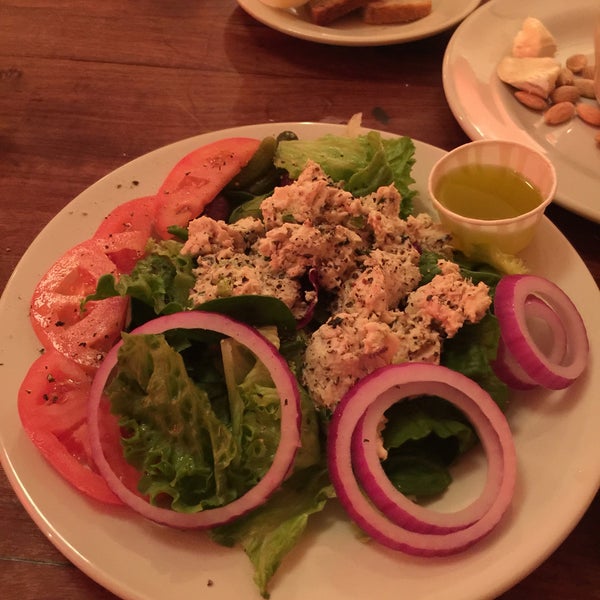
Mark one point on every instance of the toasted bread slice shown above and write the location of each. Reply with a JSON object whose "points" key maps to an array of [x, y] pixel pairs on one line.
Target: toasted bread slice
{"points": [[323, 12], [381, 12]]}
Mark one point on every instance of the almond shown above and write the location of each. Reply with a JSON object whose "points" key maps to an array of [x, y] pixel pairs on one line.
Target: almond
{"points": [[565, 93], [589, 113], [589, 71], [559, 113], [585, 87], [577, 62], [565, 77], [530, 100]]}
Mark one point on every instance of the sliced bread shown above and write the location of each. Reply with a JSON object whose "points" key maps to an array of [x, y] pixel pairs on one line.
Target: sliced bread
{"points": [[323, 12], [381, 12]]}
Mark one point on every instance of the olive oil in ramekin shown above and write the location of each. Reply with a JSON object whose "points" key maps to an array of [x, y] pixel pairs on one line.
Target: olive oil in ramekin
{"points": [[488, 192]]}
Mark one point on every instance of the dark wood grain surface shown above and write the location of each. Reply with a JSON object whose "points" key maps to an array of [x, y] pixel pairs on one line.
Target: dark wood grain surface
{"points": [[87, 86]]}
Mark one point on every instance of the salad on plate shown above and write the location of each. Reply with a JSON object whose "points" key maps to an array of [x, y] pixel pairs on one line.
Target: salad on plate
{"points": [[278, 328]]}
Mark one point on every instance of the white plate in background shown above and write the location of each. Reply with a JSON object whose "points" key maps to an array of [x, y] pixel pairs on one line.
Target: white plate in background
{"points": [[351, 31], [485, 108]]}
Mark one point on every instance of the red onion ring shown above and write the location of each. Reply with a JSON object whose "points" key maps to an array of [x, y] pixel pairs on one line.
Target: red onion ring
{"points": [[508, 369], [431, 533], [395, 505], [512, 293], [290, 421]]}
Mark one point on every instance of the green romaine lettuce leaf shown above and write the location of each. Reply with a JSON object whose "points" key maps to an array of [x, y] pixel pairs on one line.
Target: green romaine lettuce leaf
{"points": [[258, 311], [471, 351], [470, 269], [423, 437], [362, 163], [199, 444], [474, 347], [243, 374], [271, 531]]}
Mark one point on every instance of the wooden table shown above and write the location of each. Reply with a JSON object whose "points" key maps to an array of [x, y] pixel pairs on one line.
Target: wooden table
{"points": [[87, 86]]}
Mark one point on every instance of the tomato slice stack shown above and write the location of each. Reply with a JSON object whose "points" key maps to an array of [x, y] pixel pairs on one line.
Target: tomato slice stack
{"points": [[76, 337], [82, 334]]}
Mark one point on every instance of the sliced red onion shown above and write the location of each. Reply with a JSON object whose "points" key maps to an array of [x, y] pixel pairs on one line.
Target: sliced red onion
{"points": [[352, 446], [284, 382], [395, 505], [508, 369], [512, 294]]}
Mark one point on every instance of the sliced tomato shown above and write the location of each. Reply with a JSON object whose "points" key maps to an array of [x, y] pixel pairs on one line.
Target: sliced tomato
{"points": [[124, 249], [52, 403], [197, 178], [134, 215], [56, 314]]}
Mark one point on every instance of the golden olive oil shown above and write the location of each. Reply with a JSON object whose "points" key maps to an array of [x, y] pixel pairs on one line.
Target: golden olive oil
{"points": [[487, 192]]}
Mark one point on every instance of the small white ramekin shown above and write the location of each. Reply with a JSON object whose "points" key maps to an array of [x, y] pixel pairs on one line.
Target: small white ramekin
{"points": [[508, 235]]}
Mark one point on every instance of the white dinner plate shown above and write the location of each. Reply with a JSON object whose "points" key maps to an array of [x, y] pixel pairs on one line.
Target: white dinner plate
{"points": [[556, 435], [485, 107], [351, 31]]}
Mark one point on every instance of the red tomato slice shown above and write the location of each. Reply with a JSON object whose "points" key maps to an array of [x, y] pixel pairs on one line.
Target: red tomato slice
{"points": [[55, 312], [134, 215], [52, 403], [197, 178], [124, 249]]}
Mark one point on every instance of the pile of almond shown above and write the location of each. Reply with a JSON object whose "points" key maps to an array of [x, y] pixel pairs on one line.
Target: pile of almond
{"points": [[560, 91]]}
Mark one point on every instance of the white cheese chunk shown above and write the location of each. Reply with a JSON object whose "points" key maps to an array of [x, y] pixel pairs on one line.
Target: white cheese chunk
{"points": [[533, 40], [536, 75]]}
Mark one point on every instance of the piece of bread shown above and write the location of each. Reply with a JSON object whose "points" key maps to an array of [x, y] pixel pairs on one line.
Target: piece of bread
{"points": [[382, 12], [323, 12]]}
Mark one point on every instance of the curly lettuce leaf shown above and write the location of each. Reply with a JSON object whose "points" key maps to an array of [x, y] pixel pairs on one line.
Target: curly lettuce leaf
{"points": [[173, 435], [160, 282], [200, 442], [202, 425]]}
